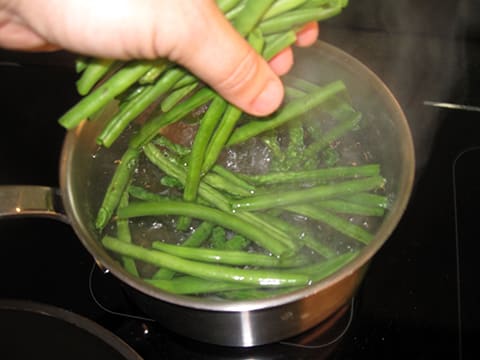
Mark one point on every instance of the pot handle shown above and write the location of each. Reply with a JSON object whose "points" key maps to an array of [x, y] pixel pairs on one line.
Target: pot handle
{"points": [[31, 201]]}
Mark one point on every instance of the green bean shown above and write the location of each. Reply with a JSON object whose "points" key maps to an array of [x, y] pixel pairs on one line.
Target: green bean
{"points": [[298, 232], [120, 121], [207, 126], [171, 182], [157, 158], [319, 3], [199, 235], [149, 130], [290, 111], [93, 72], [117, 186], [221, 183], [297, 18], [123, 234], [178, 149], [130, 94], [327, 267], [300, 84], [81, 63], [296, 144], [339, 109], [197, 238], [230, 118], [318, 272], [176, 96], [282, 6], [218, 238], [293, 244], [189, 285], [255, 293], [332, 135], [215, 198], [256, 40], [228, 181], [237, 10], [226, 220], [187, 79], [142, 194], [278, 43], [220, 137], [317, 175], [336, 222], [369, 199], [265, 278], [345, 207], [266, 201], [159, 67], [270, 139], [226, 5], [330, 157], [212, 179], [101, 96], [227, 257], [236, 242], [293, 93], [233, 178], [251, 14]]}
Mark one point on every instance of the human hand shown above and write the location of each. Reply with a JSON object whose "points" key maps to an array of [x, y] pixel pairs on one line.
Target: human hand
{"points": [[194, 34]]}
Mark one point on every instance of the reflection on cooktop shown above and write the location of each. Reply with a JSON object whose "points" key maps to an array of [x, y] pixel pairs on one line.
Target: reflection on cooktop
{"points": [[466, 180], [150, 338]]}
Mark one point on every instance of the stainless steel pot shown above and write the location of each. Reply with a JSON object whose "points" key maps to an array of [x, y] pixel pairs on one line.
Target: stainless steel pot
{"points": [[254, 322]]}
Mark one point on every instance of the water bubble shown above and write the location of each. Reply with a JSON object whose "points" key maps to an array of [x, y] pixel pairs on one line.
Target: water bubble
{"points": [[367, 155], [298, 217], [157, 225]]}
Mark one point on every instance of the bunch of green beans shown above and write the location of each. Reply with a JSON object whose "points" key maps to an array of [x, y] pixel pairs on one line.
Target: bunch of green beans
{"points": [[268, 25], [243, 238], [237, 234]]}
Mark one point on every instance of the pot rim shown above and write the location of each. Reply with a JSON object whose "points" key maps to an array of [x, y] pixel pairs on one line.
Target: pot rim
{"points": [[386, 228]]}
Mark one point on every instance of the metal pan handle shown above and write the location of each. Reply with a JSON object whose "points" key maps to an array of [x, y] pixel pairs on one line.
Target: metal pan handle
{"points": [[31, 201]]}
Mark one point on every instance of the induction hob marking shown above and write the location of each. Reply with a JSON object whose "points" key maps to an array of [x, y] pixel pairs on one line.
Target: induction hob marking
{"points": [[452, 106]]}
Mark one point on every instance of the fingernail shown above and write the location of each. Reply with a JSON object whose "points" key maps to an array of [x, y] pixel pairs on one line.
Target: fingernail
{"points": [[269, 99]]}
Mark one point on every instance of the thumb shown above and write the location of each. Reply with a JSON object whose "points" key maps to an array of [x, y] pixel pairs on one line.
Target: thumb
{"points": [[215, 52]]}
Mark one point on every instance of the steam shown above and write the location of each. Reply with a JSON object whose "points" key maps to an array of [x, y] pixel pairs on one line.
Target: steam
{"points": [[427, 63], [412, 46]]}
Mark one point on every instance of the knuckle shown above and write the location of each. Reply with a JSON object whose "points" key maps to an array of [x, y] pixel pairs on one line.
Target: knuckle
{"points": [[239, 76]]}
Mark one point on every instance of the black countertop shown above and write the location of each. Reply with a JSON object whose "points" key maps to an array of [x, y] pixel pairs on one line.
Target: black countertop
{"points": [[419, 298]]}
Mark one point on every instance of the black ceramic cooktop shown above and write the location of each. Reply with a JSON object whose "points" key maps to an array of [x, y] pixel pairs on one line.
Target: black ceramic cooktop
{"points": [[419, 299]]}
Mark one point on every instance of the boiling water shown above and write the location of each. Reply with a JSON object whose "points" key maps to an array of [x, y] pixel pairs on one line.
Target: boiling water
{"points": [[253, 157]]}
